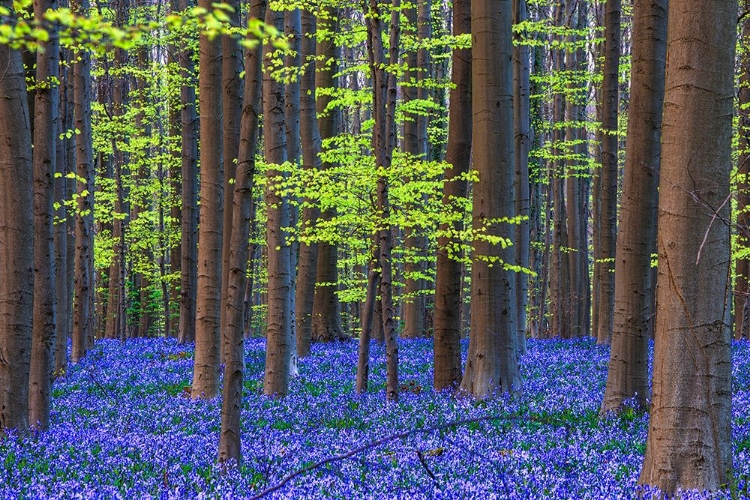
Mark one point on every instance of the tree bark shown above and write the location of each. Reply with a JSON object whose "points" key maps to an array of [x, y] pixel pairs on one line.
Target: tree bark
{"points": [[492, 364], [689, 437], [208, 298], [16, 241], [634, 291], [448, 280]]}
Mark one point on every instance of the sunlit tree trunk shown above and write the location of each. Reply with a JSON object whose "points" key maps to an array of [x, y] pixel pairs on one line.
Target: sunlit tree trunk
{"points": [[689, 436], [310, 142], [83, 310], [234, 338], [279, 330], [47, 107], [628, 364], [448, 282], [16, 241], [208, 298], [492, 364]]}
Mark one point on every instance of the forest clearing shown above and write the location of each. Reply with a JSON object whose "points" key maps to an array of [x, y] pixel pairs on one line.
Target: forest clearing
{"points": [[122, 427]]}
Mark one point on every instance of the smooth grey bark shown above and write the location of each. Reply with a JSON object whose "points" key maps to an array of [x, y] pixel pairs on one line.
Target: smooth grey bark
{"points": [[689, 441], [634, 292]]}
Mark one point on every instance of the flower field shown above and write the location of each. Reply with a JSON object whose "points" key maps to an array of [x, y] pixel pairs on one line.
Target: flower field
{"points": [[122, 427]]}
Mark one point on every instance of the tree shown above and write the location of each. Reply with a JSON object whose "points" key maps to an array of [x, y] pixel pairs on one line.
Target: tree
{"points": [[234, 339], [208, 298], [689, 434], [279, 330], [607, 218], [636, 240], [46, 107], [492, 363], [16, 241], [448, 280], [83, 306]]}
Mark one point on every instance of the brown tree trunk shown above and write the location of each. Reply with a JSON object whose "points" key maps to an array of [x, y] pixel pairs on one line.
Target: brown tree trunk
{"points": [[208, 298], [326, 320], [634, 291], [363, 357], [310, 137], [279, 329], [608, 190], [689, 437], [234, 338], [189, 233], [448, 280], [47, 107], [16, 241], [492, 364], [83, 310]]}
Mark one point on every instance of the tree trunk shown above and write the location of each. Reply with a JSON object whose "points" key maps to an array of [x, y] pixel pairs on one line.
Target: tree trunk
{"points": [[47, 107], [634, 291], [492, 364], [310, 137], [326, 321], [608, 194], [234, 338], [16, 241], [208, 298], [83, 310], [448, 282], [189, 233], [279, 330], [689, 437], [363, 357]]}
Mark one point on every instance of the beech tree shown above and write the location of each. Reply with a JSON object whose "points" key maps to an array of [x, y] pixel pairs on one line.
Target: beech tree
{"points": [[16, 240], [689, 433], [492, 362], [636, 239]]}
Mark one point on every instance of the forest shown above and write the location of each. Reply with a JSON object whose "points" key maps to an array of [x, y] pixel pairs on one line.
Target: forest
{"points": [[375, 249]]}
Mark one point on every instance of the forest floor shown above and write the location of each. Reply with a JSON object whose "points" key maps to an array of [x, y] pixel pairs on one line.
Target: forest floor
{"points": [[122, 427]]}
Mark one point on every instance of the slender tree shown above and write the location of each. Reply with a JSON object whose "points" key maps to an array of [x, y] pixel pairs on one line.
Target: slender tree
{"points": [[234, 338], [46, 107], [208, 298], [448, 281], [689, 435], [492, 364], [628, 365], [16, 240]]}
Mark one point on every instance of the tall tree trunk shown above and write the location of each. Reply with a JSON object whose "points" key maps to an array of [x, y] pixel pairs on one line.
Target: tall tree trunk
{"points": [[383, 144], [231, 102], [47, 107], [189, 233], [448, 281], [363, 351], [608, 194], [16, 241], [208, 298], [83, 310], [492, 363], [326, 320], [234, 338], [522, 145], [310, 137], [279, 330], [689, 436], [628, 364], [742, 269]]}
